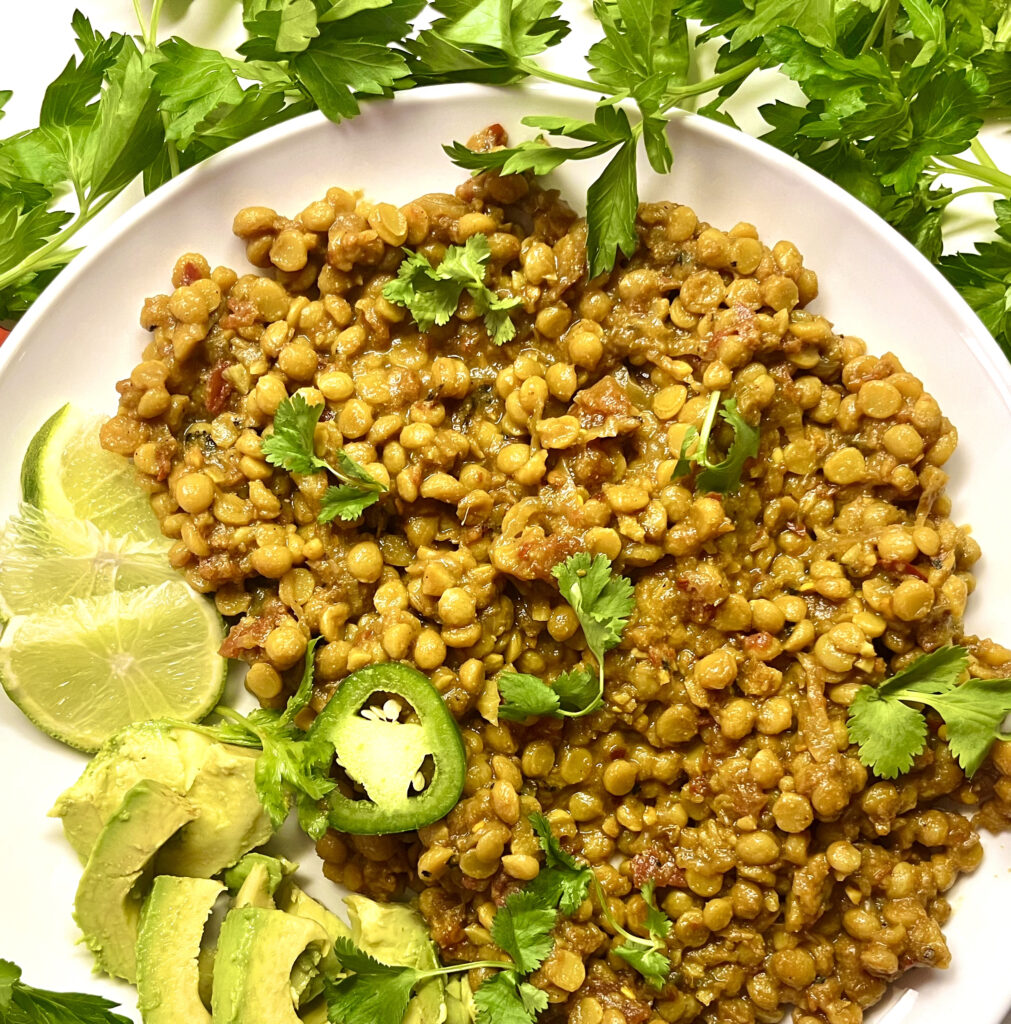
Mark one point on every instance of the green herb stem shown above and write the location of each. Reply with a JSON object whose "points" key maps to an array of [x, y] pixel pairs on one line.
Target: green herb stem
{"points": [[875, 28], [50, 254], [734, 74], [535, 70], [976, 171], [979, 152]]}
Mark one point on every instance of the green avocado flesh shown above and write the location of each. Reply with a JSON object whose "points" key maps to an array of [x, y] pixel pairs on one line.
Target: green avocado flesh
{"points": [[116, 877], [257, 951], [168, 949], [216, 778]]}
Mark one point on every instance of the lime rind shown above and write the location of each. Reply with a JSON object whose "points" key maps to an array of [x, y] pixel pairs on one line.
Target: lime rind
{"points": [[47, 560], [68, 473], [86, 669]]}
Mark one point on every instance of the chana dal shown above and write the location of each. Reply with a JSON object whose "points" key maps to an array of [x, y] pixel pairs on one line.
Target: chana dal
{"points": [[720, 766]]}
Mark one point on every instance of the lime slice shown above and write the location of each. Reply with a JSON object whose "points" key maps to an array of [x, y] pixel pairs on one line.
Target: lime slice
{"points": [[84, 670], [68, 473], [49, 561]]}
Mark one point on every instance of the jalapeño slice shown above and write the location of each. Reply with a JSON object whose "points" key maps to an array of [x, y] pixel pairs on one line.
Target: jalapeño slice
{"points": [[412, 772]]}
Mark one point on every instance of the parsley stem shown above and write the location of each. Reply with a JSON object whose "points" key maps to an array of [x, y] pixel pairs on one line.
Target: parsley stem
{"points": [[532, 68], [598, 892], [458, 968], [707, 427], [980, 172], [713, 82], [978, 151]]}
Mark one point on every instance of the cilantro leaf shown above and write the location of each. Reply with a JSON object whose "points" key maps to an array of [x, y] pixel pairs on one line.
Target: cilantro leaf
{"points": [[974, 713], [658, 924], [525, 696], [723, 476], [653, 965], [347, 501], [563, 881], [577, 690], [601, 599], [505, 999], [301, 697], [890, 734], [375, 993], [335, 71], [433, 293], [21, 1003], [522, 928], [290, 446]]}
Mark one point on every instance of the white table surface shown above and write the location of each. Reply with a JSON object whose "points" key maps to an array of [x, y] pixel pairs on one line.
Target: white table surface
{"points": [[36, 41]]}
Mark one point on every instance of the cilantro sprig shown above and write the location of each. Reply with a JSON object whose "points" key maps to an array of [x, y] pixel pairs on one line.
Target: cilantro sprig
{"points": [[293, 769], [602, 601], [887, 723], [433, 293], [290, 447], [723, 476], [23, 1003], [561, 886]]}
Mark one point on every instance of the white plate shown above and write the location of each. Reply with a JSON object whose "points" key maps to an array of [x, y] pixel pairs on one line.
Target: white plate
{"points": [[83, 336]]}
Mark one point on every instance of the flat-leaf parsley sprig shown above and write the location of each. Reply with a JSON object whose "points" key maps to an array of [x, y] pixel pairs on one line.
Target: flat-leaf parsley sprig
{"points": [[723, 476], [890, 731], [433, 293], [291, 447], [602, 601], [23, 1004]]}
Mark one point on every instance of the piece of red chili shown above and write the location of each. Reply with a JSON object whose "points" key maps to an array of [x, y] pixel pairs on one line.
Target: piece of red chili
{"points": [[388, 758]]}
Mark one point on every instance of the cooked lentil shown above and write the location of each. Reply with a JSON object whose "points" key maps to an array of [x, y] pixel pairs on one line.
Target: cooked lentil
{"points": [[720, 766]]}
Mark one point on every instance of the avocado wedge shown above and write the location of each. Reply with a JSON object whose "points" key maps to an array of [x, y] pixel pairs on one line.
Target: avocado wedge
{"points": [[168, 948], [257, 950], [112, 888]]}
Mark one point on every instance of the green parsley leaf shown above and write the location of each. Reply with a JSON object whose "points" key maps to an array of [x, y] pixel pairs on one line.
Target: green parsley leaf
{"points": [[814, 20], [563, 882], [983, 277], [433, 293], [505, 999], [290, 446], [5, 95], [522, 928], [127, 132], [375, 993], [601, 599], [612, 202], [653, 965], [23, 1004], [723, 476], [193, 82], [336, 71], [889, 733], [286, 26]]}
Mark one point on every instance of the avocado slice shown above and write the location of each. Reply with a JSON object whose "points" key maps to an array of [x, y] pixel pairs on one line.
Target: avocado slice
{"points": [[395, 933], [168, 947], [257, 950], [269, 872], [293, 900], [111, 890], [218, 778]]}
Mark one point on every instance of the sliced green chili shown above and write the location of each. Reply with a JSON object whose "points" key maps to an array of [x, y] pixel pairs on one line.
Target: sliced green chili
{"points": [[387, 758]]}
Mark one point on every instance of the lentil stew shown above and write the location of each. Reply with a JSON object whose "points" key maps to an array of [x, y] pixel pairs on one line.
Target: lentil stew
{"points": [[720, 766]]}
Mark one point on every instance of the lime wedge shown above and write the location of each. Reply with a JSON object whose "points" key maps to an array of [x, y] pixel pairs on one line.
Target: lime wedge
{"points": [[68, 473], [83, 670], [49, 561]]}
